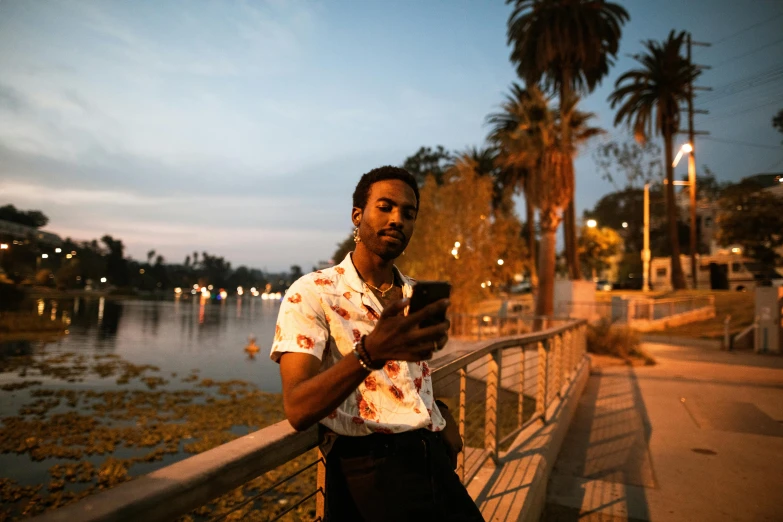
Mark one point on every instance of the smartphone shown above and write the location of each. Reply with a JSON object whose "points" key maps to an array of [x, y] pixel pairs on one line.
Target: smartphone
{"points": [[427, 292]]}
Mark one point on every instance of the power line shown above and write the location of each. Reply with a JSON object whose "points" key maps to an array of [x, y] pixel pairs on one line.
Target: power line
{"points": [[774, 165], [744, 84], [742, 111], [749, 52], [732, 35], [746, 143]]}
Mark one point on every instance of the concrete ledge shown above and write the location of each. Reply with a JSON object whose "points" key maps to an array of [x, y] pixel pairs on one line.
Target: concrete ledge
{"points": [[692, 316], [515, 489], [717, 344]]}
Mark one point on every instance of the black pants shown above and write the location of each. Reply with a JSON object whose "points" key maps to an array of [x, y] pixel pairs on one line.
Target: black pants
{"points": [[401, 477]]}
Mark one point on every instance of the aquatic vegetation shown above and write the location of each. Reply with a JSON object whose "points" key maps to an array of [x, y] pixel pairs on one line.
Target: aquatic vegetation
{"points": [[141, 418]]}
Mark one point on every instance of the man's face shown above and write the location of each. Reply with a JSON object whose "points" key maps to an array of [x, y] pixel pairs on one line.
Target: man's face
{"points": [[386, 223]]}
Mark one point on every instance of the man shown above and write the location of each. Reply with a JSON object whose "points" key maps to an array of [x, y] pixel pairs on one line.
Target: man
{"points": [[353, 362]]}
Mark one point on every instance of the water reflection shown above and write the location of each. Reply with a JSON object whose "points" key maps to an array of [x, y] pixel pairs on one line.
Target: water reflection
{"points": [[175, 335]]}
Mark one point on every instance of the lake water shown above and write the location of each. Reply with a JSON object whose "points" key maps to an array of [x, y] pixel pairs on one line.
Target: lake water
{"points": [[133, 380], [176, 336]]}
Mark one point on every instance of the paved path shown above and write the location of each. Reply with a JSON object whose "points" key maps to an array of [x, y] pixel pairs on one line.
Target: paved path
{"points": [[697, 437]]}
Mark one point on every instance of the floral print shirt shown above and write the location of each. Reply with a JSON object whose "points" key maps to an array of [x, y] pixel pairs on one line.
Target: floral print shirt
{"points": [[323, 313]]}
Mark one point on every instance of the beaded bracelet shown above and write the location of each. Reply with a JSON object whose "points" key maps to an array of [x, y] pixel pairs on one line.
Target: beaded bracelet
{"points": [[366, 356], [359, 357]]}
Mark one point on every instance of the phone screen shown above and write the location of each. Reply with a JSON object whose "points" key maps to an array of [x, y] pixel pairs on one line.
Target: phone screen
{"points": [[427, 292]]}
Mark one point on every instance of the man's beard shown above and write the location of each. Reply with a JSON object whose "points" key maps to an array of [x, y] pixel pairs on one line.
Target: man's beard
{"points": [[385, 250]]}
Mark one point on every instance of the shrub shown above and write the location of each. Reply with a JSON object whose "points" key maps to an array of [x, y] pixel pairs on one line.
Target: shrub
{"points": [[604, 338]]}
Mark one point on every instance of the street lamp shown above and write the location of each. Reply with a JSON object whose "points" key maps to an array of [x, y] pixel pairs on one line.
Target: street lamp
{"points": [[625, 224], [58, 250], [592, 223], [687, 148], [500, 262], [44, 256], [103, 279], [3, 246]]}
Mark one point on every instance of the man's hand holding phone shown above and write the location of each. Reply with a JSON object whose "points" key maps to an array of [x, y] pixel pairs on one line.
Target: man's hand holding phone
{"points": [[397, 337]]}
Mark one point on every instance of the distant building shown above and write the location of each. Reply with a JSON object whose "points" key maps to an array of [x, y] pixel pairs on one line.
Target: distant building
{"points": [[25, 233]]}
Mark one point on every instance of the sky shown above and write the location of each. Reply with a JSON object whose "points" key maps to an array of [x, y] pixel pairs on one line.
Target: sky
{"points": [[241, 128]]}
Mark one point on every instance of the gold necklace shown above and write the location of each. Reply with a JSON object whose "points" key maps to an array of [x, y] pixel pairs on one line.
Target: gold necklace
{"points": [[383, 292]]}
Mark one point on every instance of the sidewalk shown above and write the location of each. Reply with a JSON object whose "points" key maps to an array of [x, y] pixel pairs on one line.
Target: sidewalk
{"points": [[699, 436]]}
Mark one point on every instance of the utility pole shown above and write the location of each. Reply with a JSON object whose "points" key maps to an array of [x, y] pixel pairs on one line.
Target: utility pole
{"points": [[692, 163], [646, 248]]}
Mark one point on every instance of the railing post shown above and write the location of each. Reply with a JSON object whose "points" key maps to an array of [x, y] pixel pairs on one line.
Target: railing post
{"points": [[491, 405], [541, 380], [463, 381], [521, 398], [558, 362], [320, 484]]}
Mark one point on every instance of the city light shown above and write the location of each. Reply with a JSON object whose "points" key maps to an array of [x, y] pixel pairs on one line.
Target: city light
{"points": [[592, 223], [195, 287], [454, 252], [736, 250], [178, 290], [240, 290], [483, 285], [141, 271], [103, 279], [68, 256], [500, 262], [44, 256], [58, 250], [4, 246], [209, 287], [73, 252], [625, 224], [223, 294], [457, 244]]}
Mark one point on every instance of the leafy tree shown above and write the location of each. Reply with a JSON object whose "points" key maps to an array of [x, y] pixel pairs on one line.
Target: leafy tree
{"points": [[637, 163], [568, 47], [347, 245], [460, 210], [650, 98], [751, 218], [30, 218], [597, 247], [116, 264], [428, 162], [777, 121]]}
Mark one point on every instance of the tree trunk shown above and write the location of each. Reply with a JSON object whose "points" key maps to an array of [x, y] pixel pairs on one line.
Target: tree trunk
{"points": [[569, 213], [531, 241], [572, 253], [545, 300], [677, 276]]}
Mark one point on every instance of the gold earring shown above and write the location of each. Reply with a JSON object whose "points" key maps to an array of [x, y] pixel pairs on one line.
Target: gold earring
{"points": [[356, 237]]}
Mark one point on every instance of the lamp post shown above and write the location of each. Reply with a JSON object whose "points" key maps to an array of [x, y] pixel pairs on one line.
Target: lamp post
{"points": [[3, 248], [646, 248], [688, 149]]}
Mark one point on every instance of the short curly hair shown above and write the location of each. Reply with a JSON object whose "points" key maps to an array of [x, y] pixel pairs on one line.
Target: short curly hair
{"points": [[362, 191]]}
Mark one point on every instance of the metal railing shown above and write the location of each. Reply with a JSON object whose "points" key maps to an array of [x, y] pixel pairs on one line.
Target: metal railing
{"points": [[654, 309], [495, 391]]}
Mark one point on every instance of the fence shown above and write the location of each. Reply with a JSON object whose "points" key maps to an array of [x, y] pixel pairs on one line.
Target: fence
{"points": [[642, 313], [495, 391]]}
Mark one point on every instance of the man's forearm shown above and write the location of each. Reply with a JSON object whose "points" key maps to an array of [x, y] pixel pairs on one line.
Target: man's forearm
{"points": [[313, 399]]}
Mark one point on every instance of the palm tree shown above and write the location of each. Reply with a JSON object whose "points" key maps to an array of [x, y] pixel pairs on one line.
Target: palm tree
{"points": [[513, 175], [529, 135], [650, 98], [568, 47]]}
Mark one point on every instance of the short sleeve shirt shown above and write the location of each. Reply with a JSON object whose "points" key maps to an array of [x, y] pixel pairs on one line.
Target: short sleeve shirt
{"points": [[323, 314]]}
